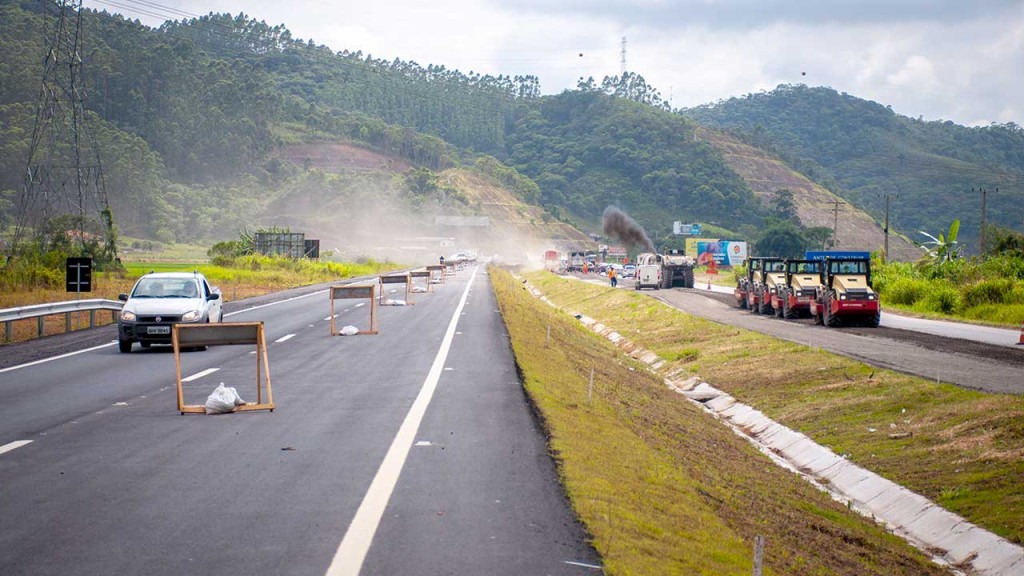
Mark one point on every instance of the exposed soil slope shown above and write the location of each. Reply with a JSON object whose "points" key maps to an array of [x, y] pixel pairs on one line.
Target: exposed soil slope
{"points": [[766, 174]]}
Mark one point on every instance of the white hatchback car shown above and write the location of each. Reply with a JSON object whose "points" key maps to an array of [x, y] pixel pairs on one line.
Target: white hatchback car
{"points": [[161, 299]]}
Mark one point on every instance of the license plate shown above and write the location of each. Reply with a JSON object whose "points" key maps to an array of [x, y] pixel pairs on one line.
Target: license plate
{"points": [[158, 330]]}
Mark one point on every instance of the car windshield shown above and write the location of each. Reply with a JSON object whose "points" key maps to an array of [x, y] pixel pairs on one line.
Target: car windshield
{"points": [[166, 288]]}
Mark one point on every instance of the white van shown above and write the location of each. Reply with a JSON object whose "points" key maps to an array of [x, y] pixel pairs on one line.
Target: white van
{"points": [[648, 276]]}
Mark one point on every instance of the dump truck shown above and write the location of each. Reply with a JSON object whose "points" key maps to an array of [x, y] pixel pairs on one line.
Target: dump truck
{"points": [[552, 260], [845, 297], [673, 269], [802, 281]]}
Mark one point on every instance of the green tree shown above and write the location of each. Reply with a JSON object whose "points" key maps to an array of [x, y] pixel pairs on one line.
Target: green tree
{"points": [[785, 207], [781, 239]]}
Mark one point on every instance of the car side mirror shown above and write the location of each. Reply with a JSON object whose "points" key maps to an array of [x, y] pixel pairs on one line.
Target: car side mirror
{"points": [[213, 296], [122, 297]]}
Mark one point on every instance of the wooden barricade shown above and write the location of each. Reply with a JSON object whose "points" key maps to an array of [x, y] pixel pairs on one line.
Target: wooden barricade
{"points": [[366, 290], [449, 269], [224, 334], [437, 270], [423, 273], [398, 278]]}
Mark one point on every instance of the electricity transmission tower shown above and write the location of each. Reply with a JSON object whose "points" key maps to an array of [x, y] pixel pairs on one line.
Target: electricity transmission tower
{"points": [[63, 177]]}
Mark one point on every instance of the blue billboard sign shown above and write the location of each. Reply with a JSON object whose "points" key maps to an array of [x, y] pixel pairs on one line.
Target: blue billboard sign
{"points": [[836, 255]]}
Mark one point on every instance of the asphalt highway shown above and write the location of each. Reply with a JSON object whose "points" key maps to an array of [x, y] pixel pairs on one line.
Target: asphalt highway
{"points": [[972, 357], [409, 452]]}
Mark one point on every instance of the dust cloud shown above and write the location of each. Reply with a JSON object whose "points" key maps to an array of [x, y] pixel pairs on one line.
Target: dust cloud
{"points": [[618, 225]]}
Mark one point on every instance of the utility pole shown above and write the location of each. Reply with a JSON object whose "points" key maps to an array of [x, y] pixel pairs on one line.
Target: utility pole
{"points": [[835, 220], [885, 252], [984, 192]]}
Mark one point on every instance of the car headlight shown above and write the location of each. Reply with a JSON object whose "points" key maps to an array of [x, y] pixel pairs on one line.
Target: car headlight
{"points": [[127, 316], [842, 296], [190, 316]]}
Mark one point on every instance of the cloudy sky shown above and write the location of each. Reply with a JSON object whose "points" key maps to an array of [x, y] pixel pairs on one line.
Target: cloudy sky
{"points": [[959, 60]]}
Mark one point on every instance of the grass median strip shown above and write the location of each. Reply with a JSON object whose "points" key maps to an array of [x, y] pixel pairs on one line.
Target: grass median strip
{"points": [[661, 485], [960, 448]]}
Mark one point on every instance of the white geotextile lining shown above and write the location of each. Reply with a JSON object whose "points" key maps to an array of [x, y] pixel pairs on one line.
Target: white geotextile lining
{"points": [[939, 532]]}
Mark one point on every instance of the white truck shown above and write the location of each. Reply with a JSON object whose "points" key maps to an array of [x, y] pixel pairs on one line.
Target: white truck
{"points": [[669, 270], [648, 271]]}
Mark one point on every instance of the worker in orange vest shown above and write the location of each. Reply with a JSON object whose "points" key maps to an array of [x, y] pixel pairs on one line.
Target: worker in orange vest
{"points": [[612, 278]]}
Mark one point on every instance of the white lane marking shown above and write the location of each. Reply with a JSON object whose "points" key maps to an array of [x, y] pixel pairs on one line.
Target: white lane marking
{"points": [[284, 338], [13, 445], [120, 403], [69, 354], [276, 303], [572, 563], [199, 375], [351, 553], [360, 304], [423, 443]]}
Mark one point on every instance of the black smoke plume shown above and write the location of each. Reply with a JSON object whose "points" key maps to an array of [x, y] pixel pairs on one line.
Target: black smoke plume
{"points": [[617, 224]]}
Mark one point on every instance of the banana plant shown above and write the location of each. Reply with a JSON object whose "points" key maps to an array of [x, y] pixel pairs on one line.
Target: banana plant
{"points": [[944, 248]]}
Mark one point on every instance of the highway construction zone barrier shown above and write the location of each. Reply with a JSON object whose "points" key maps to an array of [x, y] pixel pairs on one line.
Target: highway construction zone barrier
{"points": [[398, 278], [225, 334], [362, 290], [423, 273], [449, 269], [436, 271]]}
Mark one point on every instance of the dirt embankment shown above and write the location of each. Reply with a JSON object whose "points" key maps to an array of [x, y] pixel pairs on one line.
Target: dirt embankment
{"points": [[339, 157], [765, 174]]}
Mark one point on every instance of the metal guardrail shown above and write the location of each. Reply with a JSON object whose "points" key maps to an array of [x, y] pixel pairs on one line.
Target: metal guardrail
{"points": [[40, 311]]}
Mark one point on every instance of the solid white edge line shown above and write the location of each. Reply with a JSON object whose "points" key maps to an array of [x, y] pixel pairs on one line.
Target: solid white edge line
{"points": [[199, 375], [284, 338], [348, 560], [13, 445]]}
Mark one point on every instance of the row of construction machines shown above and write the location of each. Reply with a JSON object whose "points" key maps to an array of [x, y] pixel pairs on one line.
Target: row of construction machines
{"points": [[833, 291]]}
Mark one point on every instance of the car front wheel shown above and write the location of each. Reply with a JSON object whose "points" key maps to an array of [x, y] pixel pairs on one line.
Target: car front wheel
{"points": [[125, 346]]}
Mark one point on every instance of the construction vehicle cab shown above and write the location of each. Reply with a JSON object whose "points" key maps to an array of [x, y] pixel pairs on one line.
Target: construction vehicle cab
{"points": [[799, 288], [845, 296], [763, 275]]}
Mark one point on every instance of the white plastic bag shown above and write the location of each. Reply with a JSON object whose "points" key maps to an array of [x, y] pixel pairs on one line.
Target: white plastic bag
{"points": [[349, 331], [223, 400]]}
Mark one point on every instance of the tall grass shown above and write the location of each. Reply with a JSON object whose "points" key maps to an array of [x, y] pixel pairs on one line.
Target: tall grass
{"points": [[990, 291]]}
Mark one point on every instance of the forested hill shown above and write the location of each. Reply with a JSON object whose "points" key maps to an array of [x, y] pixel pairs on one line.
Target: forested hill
{"points": [[191, 119], [587, 150], [863, 151]]}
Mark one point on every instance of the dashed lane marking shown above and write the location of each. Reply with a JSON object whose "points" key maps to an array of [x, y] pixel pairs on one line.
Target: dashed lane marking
{"points": [[13, 445], [199, 375]]}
